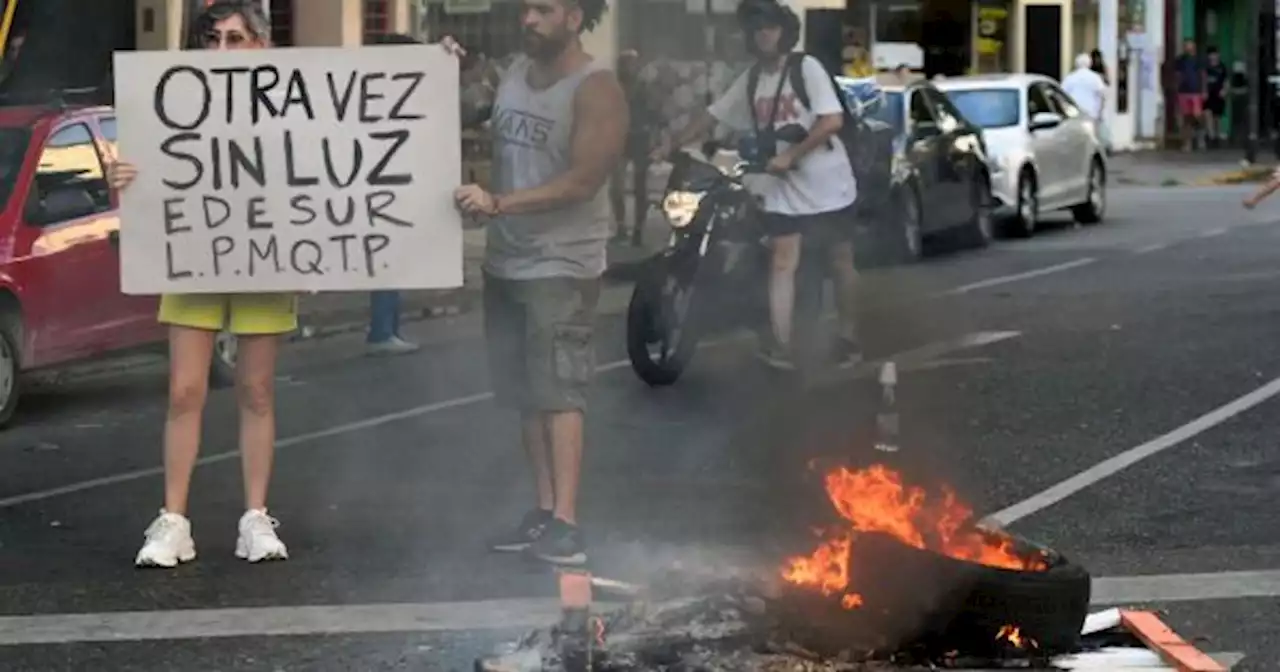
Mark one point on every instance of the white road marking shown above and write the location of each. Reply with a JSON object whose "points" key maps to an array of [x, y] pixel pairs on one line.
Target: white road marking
{"points": [[494, 614], [1122, 590], [1018, 277], [973, 340], [278, 621], [1213, 233], [1148, 249], [1128, 458]]}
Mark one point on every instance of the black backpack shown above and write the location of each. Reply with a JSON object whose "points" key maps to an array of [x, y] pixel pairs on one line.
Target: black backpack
{"points": [[869, 152]]}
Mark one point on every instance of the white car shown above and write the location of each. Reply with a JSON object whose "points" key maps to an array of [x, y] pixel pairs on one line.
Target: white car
{"points": [[1044, 151]]}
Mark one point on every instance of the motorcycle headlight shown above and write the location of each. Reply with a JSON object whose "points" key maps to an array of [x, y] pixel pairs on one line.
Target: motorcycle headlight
{"points": [[680, 207]]}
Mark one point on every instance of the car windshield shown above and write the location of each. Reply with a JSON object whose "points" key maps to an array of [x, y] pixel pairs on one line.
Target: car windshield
{"points": [[13, 146], [890, 111], [988, 108]]}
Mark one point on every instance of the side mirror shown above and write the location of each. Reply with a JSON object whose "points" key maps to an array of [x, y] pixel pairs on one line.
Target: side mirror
{"points": [[61, 204], [1043, 120]]}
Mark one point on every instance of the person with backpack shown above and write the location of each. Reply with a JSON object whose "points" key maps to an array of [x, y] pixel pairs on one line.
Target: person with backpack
{"points": [[792, 105]]}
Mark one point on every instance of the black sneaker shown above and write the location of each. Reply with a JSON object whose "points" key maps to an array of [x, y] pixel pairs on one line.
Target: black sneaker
{"points": [[521, 538], [560, 544]]}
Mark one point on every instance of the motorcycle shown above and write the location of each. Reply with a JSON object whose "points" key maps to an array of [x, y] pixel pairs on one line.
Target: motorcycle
{"points": [[710, 275]]}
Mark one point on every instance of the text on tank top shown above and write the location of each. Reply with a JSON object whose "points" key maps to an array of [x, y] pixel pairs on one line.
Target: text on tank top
{"points": [[532, 145]]}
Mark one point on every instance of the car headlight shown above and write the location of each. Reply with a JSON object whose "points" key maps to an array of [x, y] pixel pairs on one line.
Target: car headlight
{"points": [[680, 207]]}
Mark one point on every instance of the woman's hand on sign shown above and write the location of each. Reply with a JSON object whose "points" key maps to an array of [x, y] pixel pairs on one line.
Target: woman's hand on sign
{"points": [[120, 174], [473, 200], [451, 45]]}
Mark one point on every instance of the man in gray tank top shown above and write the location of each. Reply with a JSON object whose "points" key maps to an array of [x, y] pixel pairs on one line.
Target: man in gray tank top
{"points": [[559, 126]]}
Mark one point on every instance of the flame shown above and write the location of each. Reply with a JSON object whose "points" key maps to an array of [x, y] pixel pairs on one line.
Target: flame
{"points": [[1013, 635], [875, 499]]}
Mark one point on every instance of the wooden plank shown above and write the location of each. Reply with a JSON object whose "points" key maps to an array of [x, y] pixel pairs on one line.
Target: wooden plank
{"points": [[1147, 627]]}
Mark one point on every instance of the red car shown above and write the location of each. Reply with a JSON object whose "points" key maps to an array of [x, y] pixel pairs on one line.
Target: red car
{"points": [[60, 299]]}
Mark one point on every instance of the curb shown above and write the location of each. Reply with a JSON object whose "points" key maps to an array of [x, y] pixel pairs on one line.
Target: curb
{"points": [[1175, 651], [1247, 175], [334, 323]]}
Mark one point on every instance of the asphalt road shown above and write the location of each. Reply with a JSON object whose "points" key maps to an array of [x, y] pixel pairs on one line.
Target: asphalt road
{"points": [[1082, 345]]}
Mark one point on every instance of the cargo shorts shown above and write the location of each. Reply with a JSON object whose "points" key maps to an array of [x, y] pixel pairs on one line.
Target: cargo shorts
{"points": [[540, 339]]}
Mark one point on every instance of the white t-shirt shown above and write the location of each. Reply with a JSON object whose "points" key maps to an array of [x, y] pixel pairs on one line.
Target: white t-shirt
{"points": [[1087, 88], [823, 180]]}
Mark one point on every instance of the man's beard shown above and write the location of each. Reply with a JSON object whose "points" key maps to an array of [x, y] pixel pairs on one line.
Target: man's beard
{"points": [[545, 47]]}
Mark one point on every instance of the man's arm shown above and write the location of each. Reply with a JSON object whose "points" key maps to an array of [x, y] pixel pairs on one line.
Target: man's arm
{"points": [[825, 102], [729, 109], [696, 129], [599, 134]]}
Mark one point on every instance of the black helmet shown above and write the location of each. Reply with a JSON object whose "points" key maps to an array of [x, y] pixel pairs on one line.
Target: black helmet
{"points": [[754, 14]]}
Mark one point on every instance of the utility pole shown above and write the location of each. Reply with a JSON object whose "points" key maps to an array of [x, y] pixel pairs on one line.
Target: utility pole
{"points": [[709, 42], [1253, 66]]}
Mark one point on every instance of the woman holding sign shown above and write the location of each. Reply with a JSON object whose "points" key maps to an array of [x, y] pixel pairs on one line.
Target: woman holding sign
{"points": [[257, 320]]}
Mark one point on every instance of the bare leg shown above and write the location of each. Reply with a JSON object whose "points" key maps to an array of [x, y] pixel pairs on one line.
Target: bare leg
{"points": [[536, 438], [255, 391], [566, 457], [782, 286], [190, 352], [845, 277]]}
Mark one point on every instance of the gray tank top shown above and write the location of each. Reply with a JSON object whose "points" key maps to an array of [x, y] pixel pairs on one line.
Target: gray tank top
{"points": [[532, 136]]}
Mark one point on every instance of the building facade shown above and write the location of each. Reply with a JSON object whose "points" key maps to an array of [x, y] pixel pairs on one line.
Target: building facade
{"points": [[485, 26]]}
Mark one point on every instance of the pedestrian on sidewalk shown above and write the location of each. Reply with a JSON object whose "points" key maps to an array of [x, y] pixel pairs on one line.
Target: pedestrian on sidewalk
{"points": [[384, 336], [636, 154], [560, 126], [810, 187], [1215, 101], [1190, 85], [257, 321], [1089, 90]]}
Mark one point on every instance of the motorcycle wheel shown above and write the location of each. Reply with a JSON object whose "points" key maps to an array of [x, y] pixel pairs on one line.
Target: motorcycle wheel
{"points": [[659, 315]]}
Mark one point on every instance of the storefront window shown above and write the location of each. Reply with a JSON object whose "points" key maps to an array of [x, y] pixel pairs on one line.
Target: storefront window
{"points": [[899, 23], [991, 37]]}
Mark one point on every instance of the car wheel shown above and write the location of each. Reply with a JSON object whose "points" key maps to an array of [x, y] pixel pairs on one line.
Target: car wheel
{"points": [[1095, 204], [981, 227], [1028, 214], [222, 368], [911, 233], [10, 367]]}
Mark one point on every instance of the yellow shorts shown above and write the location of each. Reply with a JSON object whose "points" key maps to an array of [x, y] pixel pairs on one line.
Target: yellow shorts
{"points": [[240, 314]]}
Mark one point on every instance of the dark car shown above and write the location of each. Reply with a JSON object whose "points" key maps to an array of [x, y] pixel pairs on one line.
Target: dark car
{"points": [[939, 181]]}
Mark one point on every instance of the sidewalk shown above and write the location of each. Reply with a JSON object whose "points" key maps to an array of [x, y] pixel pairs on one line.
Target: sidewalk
{"points": [[343, 312], [1170, 168]]}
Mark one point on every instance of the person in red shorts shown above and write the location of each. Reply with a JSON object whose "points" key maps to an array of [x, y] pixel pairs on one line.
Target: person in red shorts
{"points": [[1189, 71]]}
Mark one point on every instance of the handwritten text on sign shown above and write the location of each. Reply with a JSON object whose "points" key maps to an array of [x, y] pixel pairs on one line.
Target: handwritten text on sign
{"points": [[290, 169]]}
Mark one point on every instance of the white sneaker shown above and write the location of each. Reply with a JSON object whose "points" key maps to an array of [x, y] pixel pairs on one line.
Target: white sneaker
{"points": [[392, 346], [258, 540], [168, 542]]}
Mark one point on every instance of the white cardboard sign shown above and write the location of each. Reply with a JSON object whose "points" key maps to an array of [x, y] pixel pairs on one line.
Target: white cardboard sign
{"points": [[297, 169]]}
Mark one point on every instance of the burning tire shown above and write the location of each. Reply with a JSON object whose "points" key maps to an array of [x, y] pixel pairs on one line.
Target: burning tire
{"points": [[991, 610], [910, 567]]}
